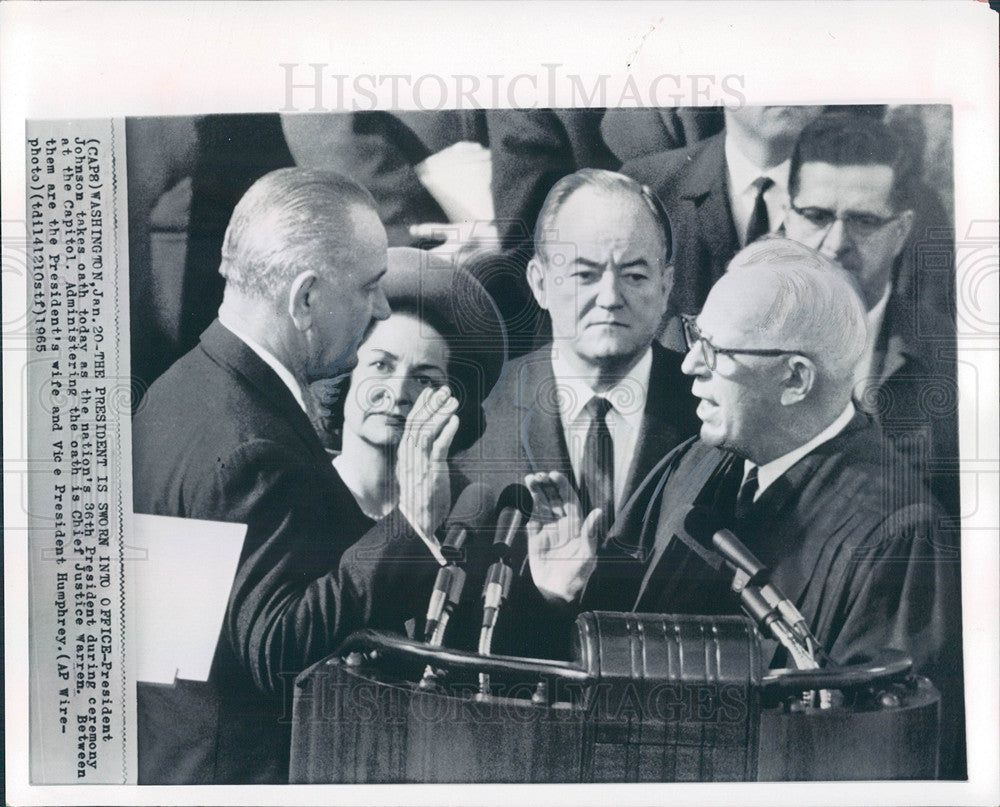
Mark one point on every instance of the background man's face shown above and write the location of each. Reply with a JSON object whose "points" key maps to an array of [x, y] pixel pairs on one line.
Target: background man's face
{"points": [[740, 397], [349, 295], [602, 277], [773, 123], [851, 191]]}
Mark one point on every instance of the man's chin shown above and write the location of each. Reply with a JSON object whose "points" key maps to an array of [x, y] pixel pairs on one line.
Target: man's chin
{"points": [[610, 350], [340, 367], [710, 436]]}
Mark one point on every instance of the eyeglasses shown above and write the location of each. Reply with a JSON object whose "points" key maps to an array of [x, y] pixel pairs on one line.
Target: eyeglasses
{"points": [[859, 225], [710, 353]]}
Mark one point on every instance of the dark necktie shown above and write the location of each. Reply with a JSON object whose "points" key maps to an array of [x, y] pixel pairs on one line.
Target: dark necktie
{"points": [[597, 470], [759, 223], [744, 499]]}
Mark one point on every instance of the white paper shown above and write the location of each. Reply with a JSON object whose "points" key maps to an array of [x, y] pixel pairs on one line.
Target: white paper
{"points": [[183, 573]]}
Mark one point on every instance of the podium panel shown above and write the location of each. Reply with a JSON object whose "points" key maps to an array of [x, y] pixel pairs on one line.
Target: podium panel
{"points": [[650, 698]]}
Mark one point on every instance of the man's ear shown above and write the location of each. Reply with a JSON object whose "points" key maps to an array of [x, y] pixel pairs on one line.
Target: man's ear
{"points": [[667, 280], [799, 379], [536, 281], [904, 224], [302, 299]]}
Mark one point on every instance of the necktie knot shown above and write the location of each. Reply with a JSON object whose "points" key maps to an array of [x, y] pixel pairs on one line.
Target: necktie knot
{"points": [[763, 185], [598, 408]]}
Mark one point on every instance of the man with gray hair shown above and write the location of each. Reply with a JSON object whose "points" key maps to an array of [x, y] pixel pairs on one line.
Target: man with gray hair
{"points": [[604, 401], [226, 434], [786, 463]]}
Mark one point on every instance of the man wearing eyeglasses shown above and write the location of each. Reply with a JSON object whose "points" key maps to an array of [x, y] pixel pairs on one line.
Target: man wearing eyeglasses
{"points": [[786, 461], [722, 193], [852, 197]]}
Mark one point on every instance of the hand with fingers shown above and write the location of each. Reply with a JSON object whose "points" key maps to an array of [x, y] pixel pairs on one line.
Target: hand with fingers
{"points": [[462, 240], [562, 545], [422, 460]]}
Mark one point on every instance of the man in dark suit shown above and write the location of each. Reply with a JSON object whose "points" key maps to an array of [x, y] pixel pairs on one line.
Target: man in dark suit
{"points": [[227, 435], [854, 197], [603, 401], [723, 192], [786, 462]]}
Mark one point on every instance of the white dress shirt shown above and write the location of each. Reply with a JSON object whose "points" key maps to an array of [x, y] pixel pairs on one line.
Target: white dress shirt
{"points": [[768, 473], [268, 358], [742, 192], [864, 367], [624, 419]]}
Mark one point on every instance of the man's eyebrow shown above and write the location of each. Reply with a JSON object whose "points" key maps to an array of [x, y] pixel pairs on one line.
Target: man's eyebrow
{"points": [[378, 277], [598, 265], [636, 262], [387, 354]]}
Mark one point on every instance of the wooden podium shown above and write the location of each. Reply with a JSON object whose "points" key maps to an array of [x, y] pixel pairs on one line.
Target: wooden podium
{"points": [[650, 698]]}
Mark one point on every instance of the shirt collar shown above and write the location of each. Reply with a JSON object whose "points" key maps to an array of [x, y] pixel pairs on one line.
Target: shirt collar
{"points": [[268, 358], [876, 315], [627, 397], [742, 172], [768, 473]]}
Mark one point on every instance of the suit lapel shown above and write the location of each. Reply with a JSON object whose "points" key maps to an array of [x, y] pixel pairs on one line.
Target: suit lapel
{"points": [[225, 348], [896, 342], [541, 429], [706, 188], [696, 478]]}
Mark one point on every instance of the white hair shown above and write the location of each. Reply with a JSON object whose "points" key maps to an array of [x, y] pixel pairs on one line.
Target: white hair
{"points": [[817, 306], [282, 221]]}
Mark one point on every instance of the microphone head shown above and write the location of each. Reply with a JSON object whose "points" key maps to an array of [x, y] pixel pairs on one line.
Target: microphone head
{"points": [[512, 511], [509, 522], [475, 506], [518, 496], [451, 547], [736, 553]]}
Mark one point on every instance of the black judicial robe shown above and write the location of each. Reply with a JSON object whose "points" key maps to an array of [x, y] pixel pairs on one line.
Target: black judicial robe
{"points": [[853, 538], [220, 437]]}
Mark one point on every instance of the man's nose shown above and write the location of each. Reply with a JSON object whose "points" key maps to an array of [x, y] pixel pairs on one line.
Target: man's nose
{"points": [[380, 306], [834, 240], [694, 361], [609, 290]]}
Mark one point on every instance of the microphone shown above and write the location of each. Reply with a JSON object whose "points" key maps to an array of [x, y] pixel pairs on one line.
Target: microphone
{"points": [[447, 587], [763, 602], [514, 509], [757, 574], [514, 505]]}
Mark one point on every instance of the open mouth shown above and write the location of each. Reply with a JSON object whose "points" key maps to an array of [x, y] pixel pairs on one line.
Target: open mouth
{"points": [[706, 406]]}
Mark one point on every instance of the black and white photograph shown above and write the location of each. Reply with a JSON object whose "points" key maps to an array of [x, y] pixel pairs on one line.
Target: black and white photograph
{"points": [[623, 437], [676, 419]]}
